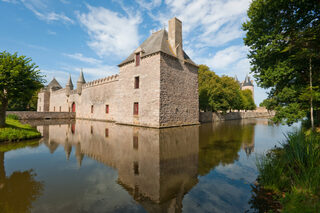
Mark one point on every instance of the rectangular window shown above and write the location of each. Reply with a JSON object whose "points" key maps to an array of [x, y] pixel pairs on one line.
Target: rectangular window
{"points": [[136, 82], [91, 130], [107, 109], [91, 108], [54, 109], [136, 168], [136, 108], [106, 133], [137, 59], [135, 142], [60, 108]]}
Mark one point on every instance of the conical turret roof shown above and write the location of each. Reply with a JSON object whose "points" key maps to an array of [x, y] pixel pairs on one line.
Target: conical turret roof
{"points": [[247, 81], [69, 83], [81, 78]]}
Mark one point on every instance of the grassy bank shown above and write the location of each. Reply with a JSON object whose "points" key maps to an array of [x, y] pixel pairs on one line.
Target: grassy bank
{"points": [[291, 174], [16, 131]]}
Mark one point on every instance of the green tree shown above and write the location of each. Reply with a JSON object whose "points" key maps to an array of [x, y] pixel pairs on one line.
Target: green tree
{"points": [[218, 93], [19, 79], [284, 41], [247, 100]]}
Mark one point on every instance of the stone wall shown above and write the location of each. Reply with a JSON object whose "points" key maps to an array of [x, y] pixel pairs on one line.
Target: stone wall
{"points": [[147, 95], [206, 117], [96, 95], [32, 115], [43, 101], [179, 101]]}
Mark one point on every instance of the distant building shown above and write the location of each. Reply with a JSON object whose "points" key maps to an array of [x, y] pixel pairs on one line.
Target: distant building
{"points": [[157, 86], [246, 84]]}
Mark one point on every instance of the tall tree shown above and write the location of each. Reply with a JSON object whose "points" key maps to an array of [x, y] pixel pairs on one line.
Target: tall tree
{"points": [[284, 41], [19, 77], [218, 93]]}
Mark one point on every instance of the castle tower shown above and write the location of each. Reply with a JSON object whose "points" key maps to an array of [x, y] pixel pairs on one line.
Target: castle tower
{"points": [[158, 82], [69, 86], [44, 95], [80, 82], [248, 84]]}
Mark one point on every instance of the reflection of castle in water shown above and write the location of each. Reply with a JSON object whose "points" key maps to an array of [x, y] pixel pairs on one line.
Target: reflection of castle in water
{"points": [[157, 167]]}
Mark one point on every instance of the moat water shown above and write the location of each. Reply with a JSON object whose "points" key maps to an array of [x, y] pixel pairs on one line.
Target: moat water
{"points": [[90, 166]]}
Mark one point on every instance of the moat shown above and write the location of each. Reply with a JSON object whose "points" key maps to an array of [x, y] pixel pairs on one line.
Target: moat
{"points": [[91, 166]]}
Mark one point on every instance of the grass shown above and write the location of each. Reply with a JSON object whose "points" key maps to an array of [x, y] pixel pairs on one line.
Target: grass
{"points": [[16, 131], [292, 172]]}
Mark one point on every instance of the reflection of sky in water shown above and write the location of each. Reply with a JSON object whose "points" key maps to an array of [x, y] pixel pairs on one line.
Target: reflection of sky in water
{"points": [[225, 171]]}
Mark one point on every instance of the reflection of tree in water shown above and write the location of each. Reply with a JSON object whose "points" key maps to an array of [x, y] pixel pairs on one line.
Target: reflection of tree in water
{"points": [[220, 143], [18, 191]]}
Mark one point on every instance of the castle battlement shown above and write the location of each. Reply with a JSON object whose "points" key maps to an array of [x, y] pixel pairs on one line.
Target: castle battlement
{"points": [[100, 81]]}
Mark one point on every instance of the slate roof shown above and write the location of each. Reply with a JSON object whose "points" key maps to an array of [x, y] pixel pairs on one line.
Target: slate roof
{"points": [[81, 78], [54, 84], [157, 42], [69, 83], [247, 82]]}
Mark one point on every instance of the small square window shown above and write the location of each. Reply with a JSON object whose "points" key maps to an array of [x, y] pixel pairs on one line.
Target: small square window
{"points": [[136, 82], [136, 108], [107, 109], [137, 59]]}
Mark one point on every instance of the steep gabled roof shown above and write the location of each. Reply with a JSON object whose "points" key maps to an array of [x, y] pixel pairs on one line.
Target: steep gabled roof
{"points": [[54, 84], [157, 42]]}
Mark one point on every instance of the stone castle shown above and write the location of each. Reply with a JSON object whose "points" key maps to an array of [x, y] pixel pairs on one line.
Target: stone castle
{"points": [[246, 84], [157, 86]]}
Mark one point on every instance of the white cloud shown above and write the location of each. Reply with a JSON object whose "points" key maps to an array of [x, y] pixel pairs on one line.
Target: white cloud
{"points": [[40, 9], [80, 57], [208, 23], [50, 32], [228, 56], [111, 33], [149, 5], [91, 72], [10, 1]]}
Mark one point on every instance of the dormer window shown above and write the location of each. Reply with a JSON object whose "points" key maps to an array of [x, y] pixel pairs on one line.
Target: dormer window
{"points": [[137, 59]]}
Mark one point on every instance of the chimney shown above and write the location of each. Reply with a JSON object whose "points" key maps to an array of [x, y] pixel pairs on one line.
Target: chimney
{"points": [[175, 37]]}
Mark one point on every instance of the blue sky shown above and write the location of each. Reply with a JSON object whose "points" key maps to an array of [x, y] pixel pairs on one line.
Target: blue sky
{"points": [[63, 36]]}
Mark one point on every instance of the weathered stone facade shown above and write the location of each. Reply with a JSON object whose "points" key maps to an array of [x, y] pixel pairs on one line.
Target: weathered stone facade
{"points": [[157, 86]]}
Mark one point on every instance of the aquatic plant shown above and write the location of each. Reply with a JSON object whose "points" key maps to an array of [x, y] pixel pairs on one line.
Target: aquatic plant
{"points": [[292, 172]]}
